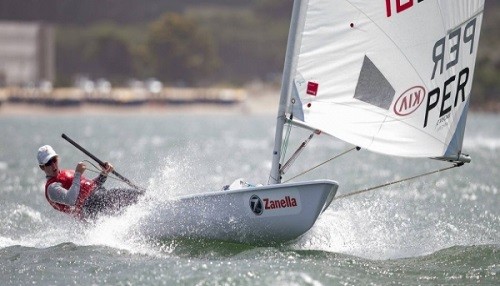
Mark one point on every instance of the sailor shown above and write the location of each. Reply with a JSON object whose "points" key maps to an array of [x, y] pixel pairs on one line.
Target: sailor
{"points": [[70, 192]]}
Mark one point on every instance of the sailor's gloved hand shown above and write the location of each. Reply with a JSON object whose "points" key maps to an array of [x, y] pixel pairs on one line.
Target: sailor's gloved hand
{"points": [[107, 168], [80, 168]]}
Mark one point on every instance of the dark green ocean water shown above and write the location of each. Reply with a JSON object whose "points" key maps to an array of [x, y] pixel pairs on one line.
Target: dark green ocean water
{"points": [[443, 229]]}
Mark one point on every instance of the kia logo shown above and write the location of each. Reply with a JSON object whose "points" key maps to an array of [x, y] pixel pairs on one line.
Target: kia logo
{"points": [[409, 101], [256, 205]]}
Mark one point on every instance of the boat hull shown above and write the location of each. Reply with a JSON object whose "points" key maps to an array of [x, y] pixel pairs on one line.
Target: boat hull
{"points": [[263, 215]]}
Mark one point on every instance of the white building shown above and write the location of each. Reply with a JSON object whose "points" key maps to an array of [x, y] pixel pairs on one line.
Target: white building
{"points": [[27, 53]]}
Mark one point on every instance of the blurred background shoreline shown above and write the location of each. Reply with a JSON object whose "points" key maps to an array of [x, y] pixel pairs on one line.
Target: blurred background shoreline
{"points": [[252, 100]]}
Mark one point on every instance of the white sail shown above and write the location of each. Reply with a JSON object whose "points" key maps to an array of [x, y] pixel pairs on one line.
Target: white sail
{"points": [[390, 76]]}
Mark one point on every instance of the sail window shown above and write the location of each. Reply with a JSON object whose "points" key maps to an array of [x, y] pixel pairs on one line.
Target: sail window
{"points": [[373, 87]]}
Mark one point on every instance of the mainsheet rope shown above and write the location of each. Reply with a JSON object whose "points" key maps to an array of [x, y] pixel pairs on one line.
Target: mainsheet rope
{"points": [[97, 172], [398, 181], [321, 164]]}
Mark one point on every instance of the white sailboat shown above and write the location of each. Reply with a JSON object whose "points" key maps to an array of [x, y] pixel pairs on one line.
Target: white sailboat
{"points": [[392, 77]]}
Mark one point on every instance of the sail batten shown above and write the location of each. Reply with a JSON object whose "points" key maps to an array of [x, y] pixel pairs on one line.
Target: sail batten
{"points": [[391, 78]]}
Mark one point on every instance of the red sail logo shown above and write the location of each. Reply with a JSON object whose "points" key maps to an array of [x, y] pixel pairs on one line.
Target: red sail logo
{"points": [[409, 101], [312, 88]]}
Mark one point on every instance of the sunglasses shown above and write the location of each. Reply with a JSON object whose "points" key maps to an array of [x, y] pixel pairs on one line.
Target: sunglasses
{"points": [[50, 162]]}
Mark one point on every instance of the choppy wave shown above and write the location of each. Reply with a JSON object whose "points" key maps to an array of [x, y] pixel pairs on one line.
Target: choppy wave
{"points": [[214, 262]]}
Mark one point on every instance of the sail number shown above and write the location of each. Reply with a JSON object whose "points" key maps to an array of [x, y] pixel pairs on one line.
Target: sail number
{"points": [[453, 52], [444, 96], [453, 92], [400, 7]]}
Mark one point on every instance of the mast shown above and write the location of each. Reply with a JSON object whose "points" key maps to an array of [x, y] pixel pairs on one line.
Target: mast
{"points": [[296, 26]]}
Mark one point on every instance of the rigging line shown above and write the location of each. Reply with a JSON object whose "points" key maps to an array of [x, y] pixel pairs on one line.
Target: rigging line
{"points": [[321, 164], [398, 181], [284, 146], [297, 152], [97, 172]]}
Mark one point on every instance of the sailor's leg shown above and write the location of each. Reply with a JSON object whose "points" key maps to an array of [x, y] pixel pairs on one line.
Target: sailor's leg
{"points": [[97, 203], [124, 197], [110, 201]]}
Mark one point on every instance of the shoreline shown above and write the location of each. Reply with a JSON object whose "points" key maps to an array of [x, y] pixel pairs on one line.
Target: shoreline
{"points": [[263, 103], [257, 100]]}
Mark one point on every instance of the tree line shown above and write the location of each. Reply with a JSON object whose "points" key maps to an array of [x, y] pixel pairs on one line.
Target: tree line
{"points": [[232, 45]]}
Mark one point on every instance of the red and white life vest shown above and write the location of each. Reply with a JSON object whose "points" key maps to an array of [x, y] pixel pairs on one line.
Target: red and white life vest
{"points": [[65, 177]]}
